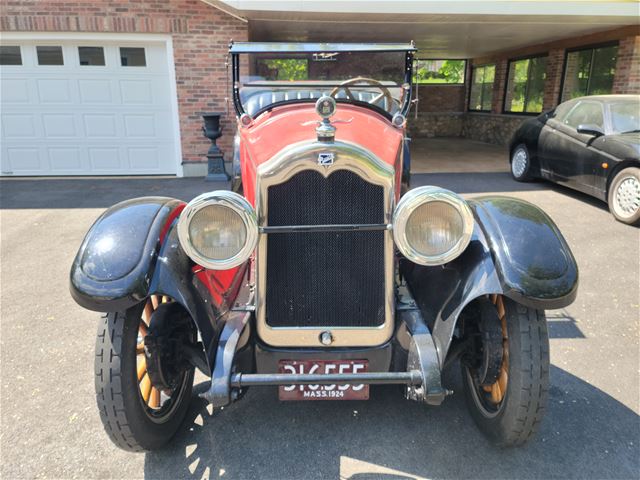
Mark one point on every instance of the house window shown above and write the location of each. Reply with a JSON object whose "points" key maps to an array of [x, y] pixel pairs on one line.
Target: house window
{"points": [[589, 72], [439, 71], [49, 55], [10, 55], [525, 85], [132, 57], [91, 56], [481, 94]]}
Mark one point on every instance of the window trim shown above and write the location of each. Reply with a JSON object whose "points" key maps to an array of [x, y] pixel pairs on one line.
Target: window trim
{"points": [[484, 65], [466, 62], [593, 46], [506, 85]]}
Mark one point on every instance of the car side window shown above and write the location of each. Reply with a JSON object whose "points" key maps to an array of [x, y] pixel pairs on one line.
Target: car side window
{"points": [[585, 113]]}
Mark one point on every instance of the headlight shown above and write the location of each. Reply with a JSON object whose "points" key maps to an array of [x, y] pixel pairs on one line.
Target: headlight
{"points": [[218, 230], [432, 226]]}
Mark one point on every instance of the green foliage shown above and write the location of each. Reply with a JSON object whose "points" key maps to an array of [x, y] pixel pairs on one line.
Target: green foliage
{"points": [[288, 68], [439, 71]]}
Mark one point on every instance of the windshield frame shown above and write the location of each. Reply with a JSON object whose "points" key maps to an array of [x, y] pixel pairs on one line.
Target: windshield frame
{"points": [[237, 49]]}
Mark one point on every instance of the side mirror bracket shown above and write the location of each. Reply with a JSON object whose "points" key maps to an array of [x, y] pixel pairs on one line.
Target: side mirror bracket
{"points": [[590, 129]]}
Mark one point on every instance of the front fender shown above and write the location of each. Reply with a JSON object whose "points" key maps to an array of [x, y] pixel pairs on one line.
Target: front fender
{"points": [[533, 261], [113, 268], [515, 250]]}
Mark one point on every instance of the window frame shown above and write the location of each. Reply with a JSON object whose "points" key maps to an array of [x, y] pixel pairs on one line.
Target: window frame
{"points": [[37, 56], [464, 72], [592, 47], [506, 85], [19, 47], [473, 67]]}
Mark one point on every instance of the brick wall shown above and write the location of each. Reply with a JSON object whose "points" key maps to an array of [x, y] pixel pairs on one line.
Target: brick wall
{"points": [[627, 79], [200, 34]]}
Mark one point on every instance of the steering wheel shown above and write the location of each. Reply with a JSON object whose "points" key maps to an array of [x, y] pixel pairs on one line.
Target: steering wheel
{"points": [[388, 99]]}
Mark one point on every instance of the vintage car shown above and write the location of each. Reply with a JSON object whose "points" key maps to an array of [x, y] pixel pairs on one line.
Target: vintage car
{"points": [[591, 144], [322, 273]]}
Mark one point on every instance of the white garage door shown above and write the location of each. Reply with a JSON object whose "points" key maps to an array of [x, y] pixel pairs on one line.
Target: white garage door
{"points": [[86, 108]]}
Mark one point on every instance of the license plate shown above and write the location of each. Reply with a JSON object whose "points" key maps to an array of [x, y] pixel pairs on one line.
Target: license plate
{"points": [[323, 392]]}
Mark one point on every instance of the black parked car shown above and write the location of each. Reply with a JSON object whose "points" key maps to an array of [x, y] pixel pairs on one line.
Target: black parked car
{"points": [[591, 144]]}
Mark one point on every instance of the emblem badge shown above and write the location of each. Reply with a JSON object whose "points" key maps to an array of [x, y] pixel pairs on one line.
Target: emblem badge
{"points": [[326, 159]]}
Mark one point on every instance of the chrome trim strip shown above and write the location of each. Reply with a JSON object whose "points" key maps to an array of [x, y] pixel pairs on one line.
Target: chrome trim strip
{"points": [[368, 227], [287, 163]]}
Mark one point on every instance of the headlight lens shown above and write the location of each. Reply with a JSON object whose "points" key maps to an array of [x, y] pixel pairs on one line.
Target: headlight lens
{"points": [[432, 226], [218, 230]]}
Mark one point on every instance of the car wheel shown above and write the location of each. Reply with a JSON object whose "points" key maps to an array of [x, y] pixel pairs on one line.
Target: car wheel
{"points": [[521, 163], [624, 196], [509, 406], [136, 414]]}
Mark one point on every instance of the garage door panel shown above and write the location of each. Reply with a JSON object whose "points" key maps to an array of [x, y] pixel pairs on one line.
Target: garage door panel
{"points": [[64, 160], [95, 91], [53, 90], [15, 91], [18, 126], [59, 125], [100, 126], [144, 158], [105, 160], [28, 159], [75, 119]]}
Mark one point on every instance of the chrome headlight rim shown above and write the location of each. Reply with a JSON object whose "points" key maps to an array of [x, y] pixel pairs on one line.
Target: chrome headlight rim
{"points": [[414, 199], [239, 205]]}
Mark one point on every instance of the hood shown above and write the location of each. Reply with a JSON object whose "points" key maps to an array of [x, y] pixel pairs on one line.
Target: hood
{"points": [[631, 140], [283, 126]]}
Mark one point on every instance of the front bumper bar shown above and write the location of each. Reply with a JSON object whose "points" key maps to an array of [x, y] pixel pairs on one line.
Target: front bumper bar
{"points": [[240, 380]]}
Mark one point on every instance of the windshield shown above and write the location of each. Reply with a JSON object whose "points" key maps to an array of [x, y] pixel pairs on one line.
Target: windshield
{"points": [[372, 78], [625, 117]]}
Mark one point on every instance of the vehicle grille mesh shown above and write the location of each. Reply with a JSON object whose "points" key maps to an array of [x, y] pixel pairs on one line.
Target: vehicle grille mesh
{"points": [[325, 279]]}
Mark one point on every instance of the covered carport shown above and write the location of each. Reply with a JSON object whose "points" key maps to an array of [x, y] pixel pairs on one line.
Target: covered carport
{"points": [[493, 42]]}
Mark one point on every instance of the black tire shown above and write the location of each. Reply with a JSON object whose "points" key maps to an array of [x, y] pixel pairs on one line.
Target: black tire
{"points": [[122, 411], [520, 163], [516, 418], [624, 196]]}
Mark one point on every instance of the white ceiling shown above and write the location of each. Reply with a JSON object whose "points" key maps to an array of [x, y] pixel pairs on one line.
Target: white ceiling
{"points": [[452, 29]]}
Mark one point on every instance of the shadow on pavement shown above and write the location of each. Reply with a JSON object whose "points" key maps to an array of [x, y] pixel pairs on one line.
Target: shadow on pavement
{"points": [[586, 434], [96, 192]]}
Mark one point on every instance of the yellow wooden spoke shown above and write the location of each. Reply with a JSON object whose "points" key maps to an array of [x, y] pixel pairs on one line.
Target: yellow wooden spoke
{"points": [[142, 367], [154, 399], [145, 387]]}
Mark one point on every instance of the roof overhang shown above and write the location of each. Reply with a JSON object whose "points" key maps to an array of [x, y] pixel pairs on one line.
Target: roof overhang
{"points": [[452, 29]]}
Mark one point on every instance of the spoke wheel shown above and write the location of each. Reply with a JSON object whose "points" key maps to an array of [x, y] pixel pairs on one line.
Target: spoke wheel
{"points": [[158, 402], [137, 414], [510, 408], [491, 396]]}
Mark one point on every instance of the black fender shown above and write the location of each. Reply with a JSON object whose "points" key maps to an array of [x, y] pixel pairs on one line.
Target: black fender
{"points": [[114, 266], [515, 250], [533, 260]]}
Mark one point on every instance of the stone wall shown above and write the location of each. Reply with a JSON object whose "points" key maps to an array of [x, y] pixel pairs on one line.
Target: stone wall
{"points": [[491, 128]]}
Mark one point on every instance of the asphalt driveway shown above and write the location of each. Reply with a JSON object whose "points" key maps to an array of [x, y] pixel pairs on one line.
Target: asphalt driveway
{"points": [[50, 427]]}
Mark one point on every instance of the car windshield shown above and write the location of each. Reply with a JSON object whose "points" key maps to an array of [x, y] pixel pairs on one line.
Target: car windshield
{"points": [[375, 78], [625, 116]]}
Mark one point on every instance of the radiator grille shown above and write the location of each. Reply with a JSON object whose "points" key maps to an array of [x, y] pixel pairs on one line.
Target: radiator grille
{"points": [[325, 279]]}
